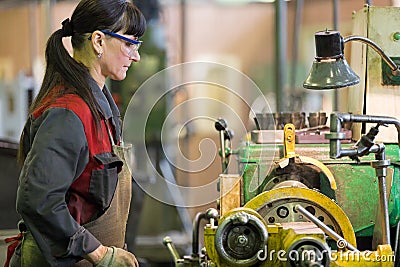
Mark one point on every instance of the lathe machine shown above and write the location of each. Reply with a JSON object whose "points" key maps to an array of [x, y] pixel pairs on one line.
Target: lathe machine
{"points": [[316, 199], [316, 195]]}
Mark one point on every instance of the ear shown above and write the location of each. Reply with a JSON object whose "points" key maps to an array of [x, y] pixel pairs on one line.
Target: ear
{"points": [[97, 40]]}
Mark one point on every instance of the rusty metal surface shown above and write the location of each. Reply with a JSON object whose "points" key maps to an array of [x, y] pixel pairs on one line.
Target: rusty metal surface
{"points": [[230, 192]]}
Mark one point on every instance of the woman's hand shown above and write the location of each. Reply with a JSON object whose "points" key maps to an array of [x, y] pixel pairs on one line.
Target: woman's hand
{"points": [[117, 257], [97, 255]]}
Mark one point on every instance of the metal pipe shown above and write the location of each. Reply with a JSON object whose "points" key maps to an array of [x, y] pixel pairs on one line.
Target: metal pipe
{"points": [[336, 122], [395, 69], [380, 166], [195, 237], [211, 214], [324, 228], [397, 246], [280, 55], [383, 200], [295, 48], [334, 143], [336, 28], [183, 30]]}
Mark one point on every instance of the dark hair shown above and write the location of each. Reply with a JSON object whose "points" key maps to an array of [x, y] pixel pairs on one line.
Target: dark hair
{"points": [[62, 69]]}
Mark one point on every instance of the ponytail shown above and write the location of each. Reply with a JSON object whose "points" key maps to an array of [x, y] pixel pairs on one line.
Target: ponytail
{"points": [[65, 73], [62, 69]]}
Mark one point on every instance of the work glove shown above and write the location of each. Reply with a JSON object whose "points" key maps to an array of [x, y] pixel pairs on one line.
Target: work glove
{"points": [[117, 257]]}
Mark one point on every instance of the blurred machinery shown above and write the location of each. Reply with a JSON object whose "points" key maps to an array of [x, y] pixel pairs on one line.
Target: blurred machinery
{"points": [[15, 99], [308, 194]]}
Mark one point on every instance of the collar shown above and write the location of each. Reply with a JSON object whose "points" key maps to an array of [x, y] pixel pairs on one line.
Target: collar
{"points": [[107, 107], [104, 105]]}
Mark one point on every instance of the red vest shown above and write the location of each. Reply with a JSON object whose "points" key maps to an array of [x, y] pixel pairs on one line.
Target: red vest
{"points": [[80, 201]]}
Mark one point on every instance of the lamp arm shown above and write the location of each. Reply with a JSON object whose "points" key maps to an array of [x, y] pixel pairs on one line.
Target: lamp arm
{"points": [[393, 66], [337, 120]]}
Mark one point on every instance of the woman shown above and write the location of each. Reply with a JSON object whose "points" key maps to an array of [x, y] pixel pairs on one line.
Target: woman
{"points": [[73, 205]]}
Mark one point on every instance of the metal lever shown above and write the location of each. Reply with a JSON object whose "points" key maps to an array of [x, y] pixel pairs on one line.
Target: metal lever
{"points": [[168, 243], [224, 135], [220, 125], [323, 227]]}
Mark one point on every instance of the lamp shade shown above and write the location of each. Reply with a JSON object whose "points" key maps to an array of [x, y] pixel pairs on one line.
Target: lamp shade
{"points": [[330, 69], [330, 75]]}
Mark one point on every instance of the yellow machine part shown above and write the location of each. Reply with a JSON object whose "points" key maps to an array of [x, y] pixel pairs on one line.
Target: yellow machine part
{"points": [[382, 257], [289, 196], [289, 153], [289, 137], [271, 254], [276, 254], [281, 241], [245, 228]]}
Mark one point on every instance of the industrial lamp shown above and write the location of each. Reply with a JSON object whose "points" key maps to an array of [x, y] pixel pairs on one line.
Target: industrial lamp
{"points": [[330, 69]]}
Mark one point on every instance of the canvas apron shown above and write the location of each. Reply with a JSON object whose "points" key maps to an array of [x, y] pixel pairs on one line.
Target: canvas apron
{"points": [[109, 228]]}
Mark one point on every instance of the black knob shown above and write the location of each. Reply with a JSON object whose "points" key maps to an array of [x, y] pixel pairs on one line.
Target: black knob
{"points": [[220, 124]]}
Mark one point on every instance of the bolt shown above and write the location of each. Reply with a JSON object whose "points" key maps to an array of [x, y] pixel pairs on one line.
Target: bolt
{"points": [[242, 240], [282, 212]]}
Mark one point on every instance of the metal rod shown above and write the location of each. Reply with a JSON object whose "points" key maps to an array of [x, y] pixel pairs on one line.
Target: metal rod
{"points": [[168, 243], [383, 201], [280, 55], [396, 246], [387, 59], [336, 28], [183, 30], [295, 48], [381, 165], [323, 227], [223, 154]]}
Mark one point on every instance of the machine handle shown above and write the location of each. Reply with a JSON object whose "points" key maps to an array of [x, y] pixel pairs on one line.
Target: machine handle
{"points": [[167, 241], [324, 228]]}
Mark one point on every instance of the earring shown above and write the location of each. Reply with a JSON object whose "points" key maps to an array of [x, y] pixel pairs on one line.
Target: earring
{"points": [[99, 55]]}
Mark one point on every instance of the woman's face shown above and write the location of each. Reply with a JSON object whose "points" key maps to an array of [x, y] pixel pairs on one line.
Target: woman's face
{"points": [[118, 56]]}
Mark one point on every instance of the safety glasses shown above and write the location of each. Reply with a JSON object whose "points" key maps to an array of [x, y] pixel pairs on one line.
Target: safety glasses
{"points": [[129, 46]]}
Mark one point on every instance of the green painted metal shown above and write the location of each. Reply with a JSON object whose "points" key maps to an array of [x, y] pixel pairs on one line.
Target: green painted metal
{"points": [[387, 77], [357, 192]]}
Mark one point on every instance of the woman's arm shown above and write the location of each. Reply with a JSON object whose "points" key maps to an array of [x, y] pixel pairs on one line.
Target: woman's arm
{"points": [[58, 155]]}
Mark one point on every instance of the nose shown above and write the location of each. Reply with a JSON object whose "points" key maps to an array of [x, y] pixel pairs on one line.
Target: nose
{"points": [[135, 56]]}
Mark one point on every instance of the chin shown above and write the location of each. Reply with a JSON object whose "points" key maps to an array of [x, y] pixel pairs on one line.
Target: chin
{"points": [[119, 77]]}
